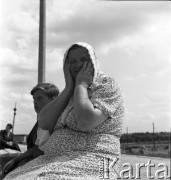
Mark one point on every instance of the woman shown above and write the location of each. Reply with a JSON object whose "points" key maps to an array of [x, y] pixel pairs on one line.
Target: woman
{"points": [[87, 117]]}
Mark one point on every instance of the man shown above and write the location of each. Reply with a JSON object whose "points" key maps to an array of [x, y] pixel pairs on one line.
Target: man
{"points": [[6, 139], [42, 94]]}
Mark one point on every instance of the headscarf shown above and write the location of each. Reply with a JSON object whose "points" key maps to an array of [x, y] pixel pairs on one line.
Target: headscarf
{"points": [[92, 55]]}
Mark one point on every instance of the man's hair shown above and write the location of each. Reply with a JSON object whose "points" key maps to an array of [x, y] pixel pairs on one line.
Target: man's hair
{"points": [[49, 89], [9, 125]]}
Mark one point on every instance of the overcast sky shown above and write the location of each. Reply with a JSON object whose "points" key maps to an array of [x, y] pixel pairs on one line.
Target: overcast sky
{"points": [[132, 41]]}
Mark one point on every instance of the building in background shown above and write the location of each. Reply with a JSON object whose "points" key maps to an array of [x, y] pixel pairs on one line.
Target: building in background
{"points": [[20, 138]]}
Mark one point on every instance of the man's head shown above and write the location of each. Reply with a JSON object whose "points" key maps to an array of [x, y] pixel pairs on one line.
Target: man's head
{"points": [[43, 93], [9, 127]]}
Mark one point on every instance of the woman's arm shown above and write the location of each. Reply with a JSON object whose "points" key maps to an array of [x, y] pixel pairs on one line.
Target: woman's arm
{"points": [[51, 112], [87, 116]]}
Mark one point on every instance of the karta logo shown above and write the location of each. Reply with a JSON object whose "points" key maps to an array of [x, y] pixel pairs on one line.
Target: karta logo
{"points": [[106, 166]]}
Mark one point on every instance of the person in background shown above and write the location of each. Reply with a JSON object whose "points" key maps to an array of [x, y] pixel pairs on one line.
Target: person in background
{"points": [[6, 139], [43, 94]]}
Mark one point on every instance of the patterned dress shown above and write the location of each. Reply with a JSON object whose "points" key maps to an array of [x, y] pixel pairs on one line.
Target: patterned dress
{"points": [[71, 154]]}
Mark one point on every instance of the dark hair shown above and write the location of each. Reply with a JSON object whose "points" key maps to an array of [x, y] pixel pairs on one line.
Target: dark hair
{"points": [[49, 89], [75, 46], [10, 125]]}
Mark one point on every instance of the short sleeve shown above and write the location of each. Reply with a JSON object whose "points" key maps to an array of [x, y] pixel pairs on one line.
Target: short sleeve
{"points": [[42, 137], [106, 96]]}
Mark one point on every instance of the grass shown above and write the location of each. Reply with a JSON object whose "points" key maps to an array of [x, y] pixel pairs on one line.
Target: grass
{"points": [[147, 149]]}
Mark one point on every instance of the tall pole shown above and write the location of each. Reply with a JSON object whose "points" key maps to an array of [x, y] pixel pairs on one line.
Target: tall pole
{"points": [[15, 109], [42, 42], [153, 137], [127, 134], [170, 150]]}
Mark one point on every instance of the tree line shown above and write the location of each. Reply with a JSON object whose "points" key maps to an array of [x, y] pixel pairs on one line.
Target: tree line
{"points": [[144, 137]]}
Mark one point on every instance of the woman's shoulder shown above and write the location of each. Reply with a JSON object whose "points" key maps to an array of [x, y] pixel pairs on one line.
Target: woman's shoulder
{"points": [[104, 81]]}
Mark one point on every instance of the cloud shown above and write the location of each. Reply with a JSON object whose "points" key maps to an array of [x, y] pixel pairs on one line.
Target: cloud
{"points": [[162, 69], [88, 23], [142, 122], [157, 97], [158, 102], [19, 25], [19, 96], [129, 79], [138, 77], [147, 117], [16, 69], [141, 105], [142, 75], [26, 24], [125, 31], [55, 60]]}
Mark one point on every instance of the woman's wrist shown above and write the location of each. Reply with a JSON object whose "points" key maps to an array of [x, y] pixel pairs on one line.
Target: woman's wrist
{"points": [[68, 90], [82, 84], [80, 91]]}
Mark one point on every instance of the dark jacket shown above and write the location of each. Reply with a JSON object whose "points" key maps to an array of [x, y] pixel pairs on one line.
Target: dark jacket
{"points": [[5, 138], [32, 136]]}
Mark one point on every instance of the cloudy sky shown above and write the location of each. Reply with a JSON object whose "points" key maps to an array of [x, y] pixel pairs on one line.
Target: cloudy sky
{"points": [[132, 41]]}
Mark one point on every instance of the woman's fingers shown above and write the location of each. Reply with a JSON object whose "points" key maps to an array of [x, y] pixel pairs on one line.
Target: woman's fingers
{"points": [[66, 65], [85, 75], [83, 69], [66, 68], [89, 69]]}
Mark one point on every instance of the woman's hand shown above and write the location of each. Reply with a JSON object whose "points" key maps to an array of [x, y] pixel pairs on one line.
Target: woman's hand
{"points": [[9, 166], [85, 76], [68, 77]]}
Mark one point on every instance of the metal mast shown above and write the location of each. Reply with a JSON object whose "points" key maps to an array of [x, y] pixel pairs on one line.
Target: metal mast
{"points": [[15, 109], [154, 147], [42, 42]]}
